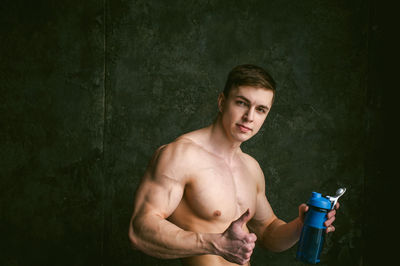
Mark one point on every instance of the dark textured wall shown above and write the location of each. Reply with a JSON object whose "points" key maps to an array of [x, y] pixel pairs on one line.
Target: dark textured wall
{"points": [[89, 89], [52, 120]]}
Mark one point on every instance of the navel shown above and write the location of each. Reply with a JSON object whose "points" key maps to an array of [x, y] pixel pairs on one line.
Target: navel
{"points": [[217, 213]]}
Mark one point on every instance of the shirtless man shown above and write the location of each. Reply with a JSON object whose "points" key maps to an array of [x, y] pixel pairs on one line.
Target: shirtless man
{"points": [[202, 199]]}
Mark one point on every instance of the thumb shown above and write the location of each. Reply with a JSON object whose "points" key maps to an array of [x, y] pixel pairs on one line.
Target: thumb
{"points": [[243, 219], [303, 208]]}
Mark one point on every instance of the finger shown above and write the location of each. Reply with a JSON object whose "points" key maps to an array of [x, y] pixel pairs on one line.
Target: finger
{"points": [[252, 246], [330, 229], [243, 219], [248, 254], [303, 208], [329, 221], [243, 262], [250, 238], [331, 214], [246, 257], [337, 205], [248, 247]]}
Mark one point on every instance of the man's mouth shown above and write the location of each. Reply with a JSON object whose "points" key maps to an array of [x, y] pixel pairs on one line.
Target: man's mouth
{"points": [[243, 128]]}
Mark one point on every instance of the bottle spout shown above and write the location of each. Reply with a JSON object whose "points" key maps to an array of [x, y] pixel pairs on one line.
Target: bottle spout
{"points": [[334, 199]]}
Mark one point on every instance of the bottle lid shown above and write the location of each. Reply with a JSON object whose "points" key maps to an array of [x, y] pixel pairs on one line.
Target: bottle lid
{"points": [[318, 201]]}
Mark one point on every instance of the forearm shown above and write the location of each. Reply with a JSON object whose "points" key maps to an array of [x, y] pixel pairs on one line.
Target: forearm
{"points": [[280, 236], [160, 238]]}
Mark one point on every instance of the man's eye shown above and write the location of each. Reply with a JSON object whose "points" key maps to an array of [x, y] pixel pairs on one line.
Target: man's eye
{"points": [[261, 110], [241, 103]]}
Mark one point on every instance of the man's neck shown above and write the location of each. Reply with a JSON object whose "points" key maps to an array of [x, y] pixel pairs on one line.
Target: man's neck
{"points": [[220, 142]]}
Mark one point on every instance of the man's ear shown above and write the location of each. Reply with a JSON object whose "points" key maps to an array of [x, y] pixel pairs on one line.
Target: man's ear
{"points": [[221, 101]]}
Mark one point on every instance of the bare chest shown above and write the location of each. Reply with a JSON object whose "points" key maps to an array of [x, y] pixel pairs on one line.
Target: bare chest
{"points": [[217, 192]]}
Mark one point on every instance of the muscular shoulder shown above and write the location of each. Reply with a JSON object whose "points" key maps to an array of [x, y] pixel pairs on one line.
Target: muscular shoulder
{"points": [[182, 149], [174, 159], [254, 167], [251, 162]]}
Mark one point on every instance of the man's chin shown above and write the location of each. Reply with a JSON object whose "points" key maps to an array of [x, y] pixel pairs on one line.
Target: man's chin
{"points": [[243, 137]]}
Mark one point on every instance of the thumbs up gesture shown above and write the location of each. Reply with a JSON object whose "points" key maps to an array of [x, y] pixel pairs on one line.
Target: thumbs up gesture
{"points": [[235, 244]]}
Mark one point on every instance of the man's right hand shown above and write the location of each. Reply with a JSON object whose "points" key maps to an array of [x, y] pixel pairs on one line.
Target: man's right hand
{"points": [[235, 244]]}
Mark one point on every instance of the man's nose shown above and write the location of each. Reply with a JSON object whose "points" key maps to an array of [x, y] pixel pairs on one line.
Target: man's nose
{"points": [[249, 115]]}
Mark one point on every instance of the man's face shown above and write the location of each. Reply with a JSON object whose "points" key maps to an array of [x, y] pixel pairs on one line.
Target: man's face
{"points": [[244, 111]]}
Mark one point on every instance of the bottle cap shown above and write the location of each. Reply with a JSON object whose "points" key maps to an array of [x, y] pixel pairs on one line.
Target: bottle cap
{"points": [[318, 201]]}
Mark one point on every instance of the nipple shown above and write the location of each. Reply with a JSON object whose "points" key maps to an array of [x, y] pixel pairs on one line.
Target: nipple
{"points": [[217, 213]]}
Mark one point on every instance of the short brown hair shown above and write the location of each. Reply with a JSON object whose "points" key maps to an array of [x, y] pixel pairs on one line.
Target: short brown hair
{"points": [[249, 75]]}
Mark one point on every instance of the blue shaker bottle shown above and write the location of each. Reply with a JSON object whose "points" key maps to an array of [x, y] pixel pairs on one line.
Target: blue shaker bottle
{"points": [[313, 234]]}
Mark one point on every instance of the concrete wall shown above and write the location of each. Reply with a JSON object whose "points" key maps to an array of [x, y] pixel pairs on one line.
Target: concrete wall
{"points": [[89, 89]]}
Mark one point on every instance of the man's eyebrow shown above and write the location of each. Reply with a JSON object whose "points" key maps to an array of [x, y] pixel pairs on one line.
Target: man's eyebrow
{"points": [[244, 98], [247, 100]]}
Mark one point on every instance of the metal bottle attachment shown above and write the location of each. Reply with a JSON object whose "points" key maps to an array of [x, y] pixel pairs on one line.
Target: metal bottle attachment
{"points": [[334, 199]]}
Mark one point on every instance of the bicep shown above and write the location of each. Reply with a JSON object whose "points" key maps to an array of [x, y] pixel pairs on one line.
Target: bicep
{"points": [[158, 195], [263, 216], [161, 188]]}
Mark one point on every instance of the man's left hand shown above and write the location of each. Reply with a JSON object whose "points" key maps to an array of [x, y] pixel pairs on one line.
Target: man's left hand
{"points": [[331, 217], [303, 208]]}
